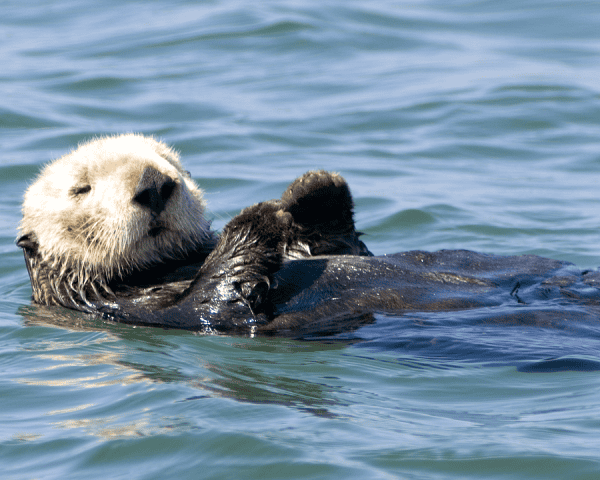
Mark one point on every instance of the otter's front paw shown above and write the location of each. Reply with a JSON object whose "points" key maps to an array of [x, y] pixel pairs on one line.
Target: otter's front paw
{"points": [[320, 198], [321, 205], [239, 270], [264, 224]]}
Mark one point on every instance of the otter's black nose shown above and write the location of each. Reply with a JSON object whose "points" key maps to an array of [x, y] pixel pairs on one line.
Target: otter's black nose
{"points": [[154, 190]]}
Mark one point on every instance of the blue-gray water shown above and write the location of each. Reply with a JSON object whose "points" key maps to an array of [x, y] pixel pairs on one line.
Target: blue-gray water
{"points": [[458, 124]]}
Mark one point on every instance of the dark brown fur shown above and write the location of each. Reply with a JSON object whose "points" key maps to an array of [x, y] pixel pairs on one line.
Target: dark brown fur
{"points": [[247, 286]]}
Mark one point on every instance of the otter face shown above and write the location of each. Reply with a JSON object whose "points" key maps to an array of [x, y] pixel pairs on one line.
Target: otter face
{"points": [[112, 206]]}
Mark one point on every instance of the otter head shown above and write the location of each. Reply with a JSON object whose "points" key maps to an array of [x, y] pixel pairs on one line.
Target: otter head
{"points": [[113, 206]]}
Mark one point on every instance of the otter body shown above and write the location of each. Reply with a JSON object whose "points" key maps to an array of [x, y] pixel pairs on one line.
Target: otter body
{"points": [[247, 286]]}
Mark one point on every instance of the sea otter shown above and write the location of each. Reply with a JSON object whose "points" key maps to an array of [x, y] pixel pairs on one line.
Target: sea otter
{"points": [[120, 215], [118, 228]]}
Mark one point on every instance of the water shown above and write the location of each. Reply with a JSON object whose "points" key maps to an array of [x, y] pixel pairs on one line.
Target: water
{"points": [[457, 124]]}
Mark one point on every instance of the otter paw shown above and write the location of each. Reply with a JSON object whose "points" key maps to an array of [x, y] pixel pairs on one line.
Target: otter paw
{"points": [[321, 207], [320, 199], [252, 243], [266, 222]]}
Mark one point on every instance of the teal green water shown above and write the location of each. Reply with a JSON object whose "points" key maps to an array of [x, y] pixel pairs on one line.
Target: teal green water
{"points": [[457, 124]]}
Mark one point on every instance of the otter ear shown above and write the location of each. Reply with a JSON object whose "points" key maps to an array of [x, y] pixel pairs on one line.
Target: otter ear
{"points": [[28, 242]]}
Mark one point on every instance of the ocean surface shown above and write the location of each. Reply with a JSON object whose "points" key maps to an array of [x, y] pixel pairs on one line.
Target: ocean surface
{"points": [[458, 124]]}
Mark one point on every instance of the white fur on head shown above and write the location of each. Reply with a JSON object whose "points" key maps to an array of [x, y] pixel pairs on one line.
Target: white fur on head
{"points": [[81, 214]]}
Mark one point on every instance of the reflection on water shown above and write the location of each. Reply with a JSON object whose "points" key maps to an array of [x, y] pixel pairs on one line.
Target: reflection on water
{"points": [[245, 383]]}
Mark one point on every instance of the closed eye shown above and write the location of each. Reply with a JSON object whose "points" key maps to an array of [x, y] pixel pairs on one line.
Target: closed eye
{"points": [[80, 190]]}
